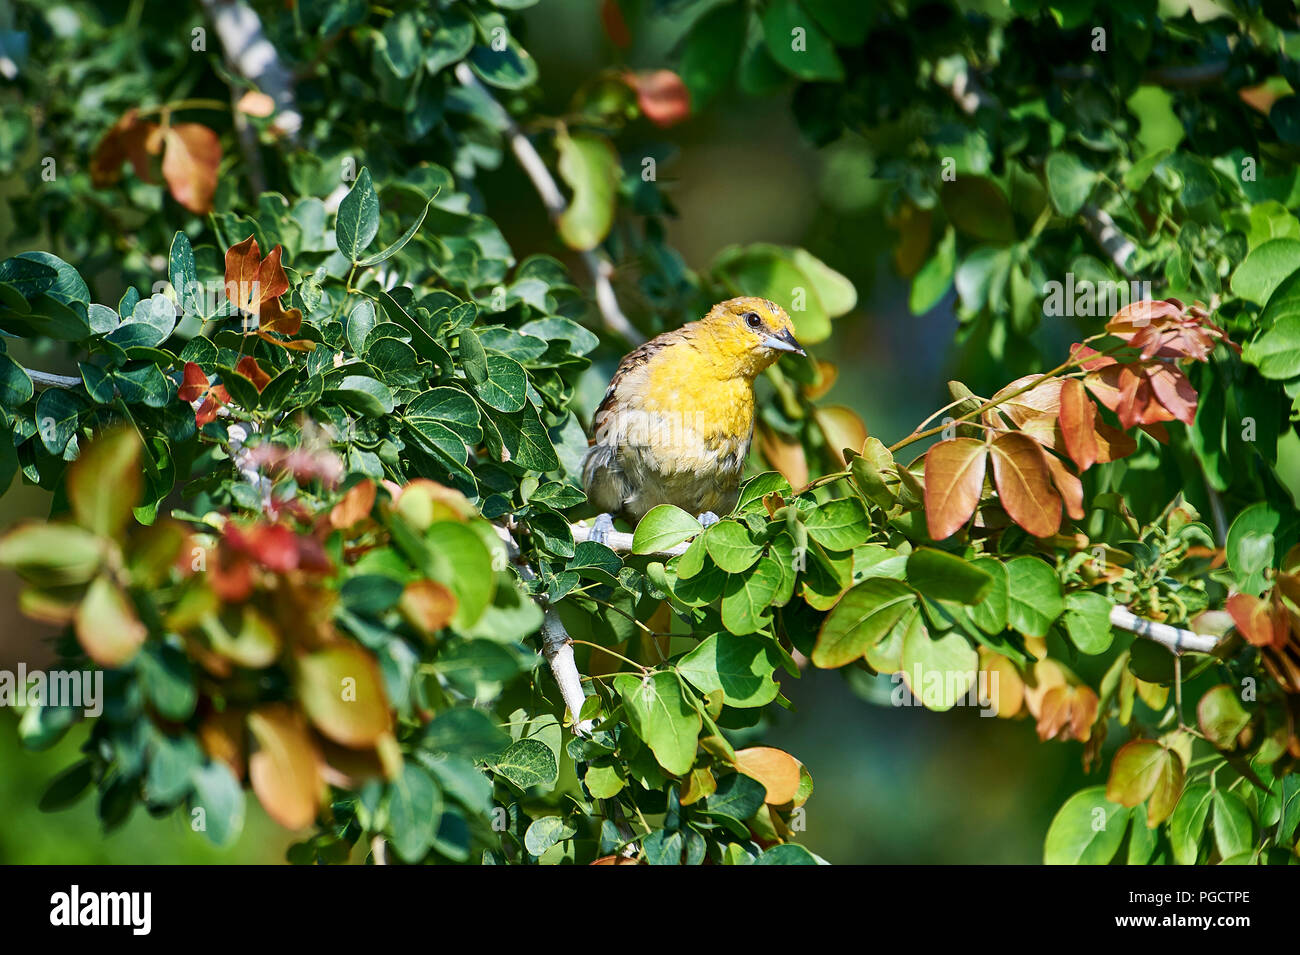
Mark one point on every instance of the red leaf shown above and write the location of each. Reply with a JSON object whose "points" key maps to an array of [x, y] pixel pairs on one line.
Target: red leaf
{"points": [[662, 96], [612, 17], [1069, 486], [128, 139], [194, 384]]}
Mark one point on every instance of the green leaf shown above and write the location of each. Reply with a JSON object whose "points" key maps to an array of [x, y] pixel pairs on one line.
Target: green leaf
{"points": [[738, 797], [397, 246], [661, 716], [183, 275], [788, 853], [589, 165], [741, 667], [448, 407], [52, 554], [364, 395], [663, 528], [464, 731], [1087, 620], [1221, 716], [358, 217], [1069, 182], [939, 670], [509, 69], [1033, 596], [747, 598], [935, 277], [838, 525], [546, 832], [361, 322], [1234, 830], [862, 617], [1087, 830], [990, 614], [710, 53], [528, 762], [1252, 545], [15, 385], [979, 208], [728, 543], [1266, 267], [414, 810], [525, 440], [104, 483], [56, 419], [218, 793], [505, 387], [798, 44], [945, 576], [1187, 824]]}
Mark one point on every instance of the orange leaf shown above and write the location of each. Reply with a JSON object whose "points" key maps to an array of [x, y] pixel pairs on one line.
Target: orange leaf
{"points": [[242, 261], [1112, 443], [662, 96], [285, 770], [1024, 486], [784, 455], [1067, 712], [428, 605], [842, 428], [1069, 487], [276, 319], [254, 103], [1173, 391], [1079, 423], [190, 164], [954, 479], [250, 369], [777, 770], [107, 626], [354, 506], [1262, 624]]}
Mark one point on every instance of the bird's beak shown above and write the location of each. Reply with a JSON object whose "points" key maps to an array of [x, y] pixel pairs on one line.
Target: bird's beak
{"points": [[784, 342]]}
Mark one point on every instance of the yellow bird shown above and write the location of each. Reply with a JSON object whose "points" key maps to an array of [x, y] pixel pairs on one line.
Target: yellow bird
{"points": [[677, 420]]}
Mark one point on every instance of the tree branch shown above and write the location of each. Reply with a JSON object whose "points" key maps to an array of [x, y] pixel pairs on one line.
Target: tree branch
{"points": [[1175, 638], [47, 380], [252, 56], [556, 645], [598, 265]]}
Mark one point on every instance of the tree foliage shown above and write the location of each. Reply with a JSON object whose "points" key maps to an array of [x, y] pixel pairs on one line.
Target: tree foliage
{"points": [[317, 499]]}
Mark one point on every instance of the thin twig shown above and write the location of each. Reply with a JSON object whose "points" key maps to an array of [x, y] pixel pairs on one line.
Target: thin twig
{"points": [[598, 265]]}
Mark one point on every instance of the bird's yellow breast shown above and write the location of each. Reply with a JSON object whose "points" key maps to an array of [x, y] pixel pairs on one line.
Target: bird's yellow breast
{"points": [[693, 383]]}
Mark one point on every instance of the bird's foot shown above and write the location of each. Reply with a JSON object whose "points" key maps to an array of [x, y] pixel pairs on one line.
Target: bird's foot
{"points": [[708, 519], [601, 529]]}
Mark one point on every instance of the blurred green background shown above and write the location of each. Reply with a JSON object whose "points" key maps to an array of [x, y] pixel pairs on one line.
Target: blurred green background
{"points": [[892, 785]]}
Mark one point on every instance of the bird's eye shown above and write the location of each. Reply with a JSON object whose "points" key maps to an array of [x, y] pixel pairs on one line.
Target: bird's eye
{"points": [[752, 319]]}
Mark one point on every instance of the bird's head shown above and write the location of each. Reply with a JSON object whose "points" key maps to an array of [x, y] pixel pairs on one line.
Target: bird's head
{"points": [[750, 333]]}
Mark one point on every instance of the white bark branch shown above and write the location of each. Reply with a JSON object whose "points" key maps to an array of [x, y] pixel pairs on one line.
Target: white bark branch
{"points": [[556, 646], [252, 56], [47, 380], [598, 265], [1175, 638]]}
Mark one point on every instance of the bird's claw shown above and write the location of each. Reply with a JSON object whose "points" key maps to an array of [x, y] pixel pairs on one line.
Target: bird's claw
{"points": [[708, 519], [601, 529]]}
